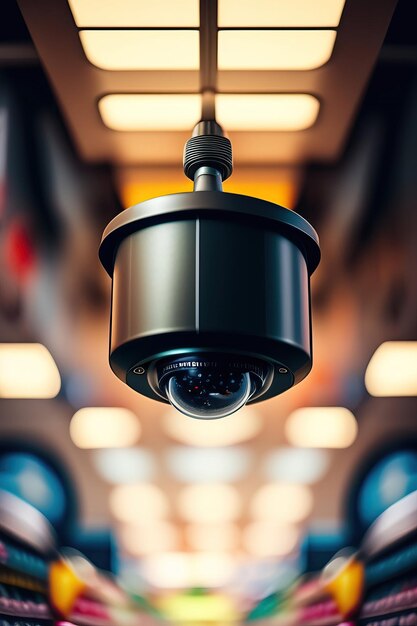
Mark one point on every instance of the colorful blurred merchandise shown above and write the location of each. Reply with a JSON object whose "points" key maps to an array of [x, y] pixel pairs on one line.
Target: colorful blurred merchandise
{"points": [[375, 586], [39, 586]]}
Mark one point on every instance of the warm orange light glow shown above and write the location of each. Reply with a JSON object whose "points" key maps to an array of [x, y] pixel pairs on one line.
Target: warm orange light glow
{"points": [[279, 185], [302, 13], [274, 49], [142, 49], [135, 112], [279, 112], [131, 13]]}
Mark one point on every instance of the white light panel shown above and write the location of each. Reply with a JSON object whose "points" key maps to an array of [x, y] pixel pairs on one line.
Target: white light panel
{"points": [[321, 427], [104, 427], [296, 465], [124, 465], [279, 13], [141, 503], [144, 112], [266, 112], [207, 465], [142, 49], [274, 49], [392, 370], [215, 503], [281, 502], [139, 13], [27, 370]]}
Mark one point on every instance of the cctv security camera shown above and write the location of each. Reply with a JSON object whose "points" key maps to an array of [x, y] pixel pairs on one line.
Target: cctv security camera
{"points": [[211, 291]]}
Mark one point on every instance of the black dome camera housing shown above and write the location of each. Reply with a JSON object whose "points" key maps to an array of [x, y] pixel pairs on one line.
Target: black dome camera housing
{"points": [[211, 291]]}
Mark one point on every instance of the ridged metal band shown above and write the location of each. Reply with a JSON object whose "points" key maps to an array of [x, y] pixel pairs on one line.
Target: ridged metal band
{"points": [[210, 151]]}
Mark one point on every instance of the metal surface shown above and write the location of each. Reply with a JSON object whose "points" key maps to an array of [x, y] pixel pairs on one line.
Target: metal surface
{"points": [[226, 274], [207, 179], [209, 204]]}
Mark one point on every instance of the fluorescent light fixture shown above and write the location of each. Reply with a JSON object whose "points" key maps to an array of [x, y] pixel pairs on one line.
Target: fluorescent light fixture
{"points": [[27, 370], [279, 14], [143, 112], [178, 569], [127, 465], [235, 428], [150, 538], [274, 49], [138, 504], [142, 49], [131, 13], [209, 503], [212, 537], [262, 539], [104, 427], [321, 427], [296, 465], [282, 503], [268, 112], [207, 465], [392, 370]]}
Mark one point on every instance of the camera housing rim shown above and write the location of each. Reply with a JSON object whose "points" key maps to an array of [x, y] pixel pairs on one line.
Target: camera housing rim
{"points": [[288, 361]]}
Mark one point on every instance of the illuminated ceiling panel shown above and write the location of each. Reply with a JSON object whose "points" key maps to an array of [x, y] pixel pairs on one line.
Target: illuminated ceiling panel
{"points": [[27, 370], [274, 49], [142, 49], [321, 427], [279, 13], [104, 427], [392, 370], [135, 13], [337, 85], [251, 112], [150, 112]]}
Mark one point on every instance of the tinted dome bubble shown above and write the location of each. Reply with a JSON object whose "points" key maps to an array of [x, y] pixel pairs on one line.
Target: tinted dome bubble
{"points": [[209, 394]]}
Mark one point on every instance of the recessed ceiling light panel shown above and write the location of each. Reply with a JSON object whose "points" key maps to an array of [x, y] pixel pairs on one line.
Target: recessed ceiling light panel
{"points": [[142, 49], [297, 13], [274, 49], [104, 427], [282, 502], [266, 112], [27, 370], [144, 112], [392, 370], [321, 427], [135, 13]]}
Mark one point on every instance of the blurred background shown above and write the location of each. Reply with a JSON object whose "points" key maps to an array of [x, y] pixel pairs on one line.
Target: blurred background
{"points": [[92, 120]]}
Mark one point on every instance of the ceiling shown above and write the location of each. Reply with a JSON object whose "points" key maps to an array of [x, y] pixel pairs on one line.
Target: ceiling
{"points": [[334, 87]]}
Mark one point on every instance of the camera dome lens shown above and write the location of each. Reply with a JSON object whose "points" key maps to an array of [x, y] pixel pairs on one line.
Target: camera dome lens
{"points": [[209, 394]]}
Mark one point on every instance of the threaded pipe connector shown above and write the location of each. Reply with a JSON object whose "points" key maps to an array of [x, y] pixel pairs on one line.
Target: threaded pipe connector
{"points": [[208, 148]]}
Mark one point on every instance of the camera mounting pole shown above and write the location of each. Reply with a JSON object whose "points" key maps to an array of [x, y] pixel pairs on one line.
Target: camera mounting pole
{"points": [[208, 157]]}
